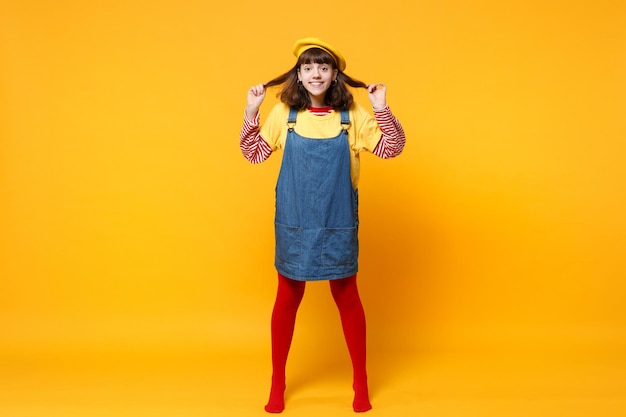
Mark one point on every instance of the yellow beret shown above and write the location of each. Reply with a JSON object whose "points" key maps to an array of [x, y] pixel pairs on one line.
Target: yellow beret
{"points": [[302, 45]]}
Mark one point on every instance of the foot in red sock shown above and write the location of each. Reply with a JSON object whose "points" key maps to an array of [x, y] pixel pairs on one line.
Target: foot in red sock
{"points": [[361, 401], [276, 404]]}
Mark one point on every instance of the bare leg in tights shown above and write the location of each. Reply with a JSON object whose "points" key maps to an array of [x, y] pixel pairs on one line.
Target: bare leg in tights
{"points": [[288, 298]]}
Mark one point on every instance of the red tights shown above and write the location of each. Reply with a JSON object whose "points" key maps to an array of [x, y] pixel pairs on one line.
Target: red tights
{"points": [[346, 296]]}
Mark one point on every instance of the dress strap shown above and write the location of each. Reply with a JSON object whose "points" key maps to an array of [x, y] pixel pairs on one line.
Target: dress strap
{"points": [[345, 119], [291, 121]]}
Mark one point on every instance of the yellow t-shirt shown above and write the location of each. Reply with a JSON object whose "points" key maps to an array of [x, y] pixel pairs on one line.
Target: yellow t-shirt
{"points": [[363, 133]]}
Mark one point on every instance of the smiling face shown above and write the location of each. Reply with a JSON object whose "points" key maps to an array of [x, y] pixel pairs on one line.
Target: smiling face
{"points": [[317, 73], [317, 79]]}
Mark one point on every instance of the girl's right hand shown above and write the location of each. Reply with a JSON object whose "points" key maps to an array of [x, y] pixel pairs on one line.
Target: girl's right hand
{"points": [[256, 94]]}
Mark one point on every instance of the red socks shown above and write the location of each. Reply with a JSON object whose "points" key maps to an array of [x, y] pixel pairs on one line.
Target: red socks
{"points": [[288, 298]]}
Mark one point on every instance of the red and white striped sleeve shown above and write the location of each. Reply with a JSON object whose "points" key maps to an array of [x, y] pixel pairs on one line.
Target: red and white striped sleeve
{"points": [[393, 139], [254, 148]]}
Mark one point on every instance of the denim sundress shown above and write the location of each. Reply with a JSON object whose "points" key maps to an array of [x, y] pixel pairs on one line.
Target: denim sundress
{"points": [[316, 222]]}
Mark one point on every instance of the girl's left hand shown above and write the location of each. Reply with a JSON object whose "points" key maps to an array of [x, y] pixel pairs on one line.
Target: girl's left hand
{"points": [[377, 95]]}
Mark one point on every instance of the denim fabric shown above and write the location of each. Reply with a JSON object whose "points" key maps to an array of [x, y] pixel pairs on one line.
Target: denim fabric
{"points": [[316, 221]]}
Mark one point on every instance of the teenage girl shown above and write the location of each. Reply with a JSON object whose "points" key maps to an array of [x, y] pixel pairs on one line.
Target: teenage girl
{"points": [[321, 131]]}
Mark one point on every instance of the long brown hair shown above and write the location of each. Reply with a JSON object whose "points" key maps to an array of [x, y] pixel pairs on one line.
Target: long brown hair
{"points": [[294, 94]]}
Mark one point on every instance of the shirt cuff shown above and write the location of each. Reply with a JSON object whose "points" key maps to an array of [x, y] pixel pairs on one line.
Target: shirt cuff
{"points": [[253, 122], [384, 109]]}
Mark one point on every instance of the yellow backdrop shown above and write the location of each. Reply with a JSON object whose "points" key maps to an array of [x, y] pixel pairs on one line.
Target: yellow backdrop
{"points": [[131, 224]]}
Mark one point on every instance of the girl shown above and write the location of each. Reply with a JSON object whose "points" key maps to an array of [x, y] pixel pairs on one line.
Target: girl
{"points": [[322, 132]]}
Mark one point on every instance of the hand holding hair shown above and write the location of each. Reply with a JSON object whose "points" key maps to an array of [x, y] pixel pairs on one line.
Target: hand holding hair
{"points": [[256, 95], [377, 94]]}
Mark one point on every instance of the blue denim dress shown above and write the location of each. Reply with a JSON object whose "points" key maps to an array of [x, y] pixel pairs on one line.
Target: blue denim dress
{"points": [[316, 223]]}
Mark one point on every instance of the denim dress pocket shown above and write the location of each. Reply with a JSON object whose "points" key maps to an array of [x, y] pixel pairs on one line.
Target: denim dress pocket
{"points": [[340, 246], [288, 243]]}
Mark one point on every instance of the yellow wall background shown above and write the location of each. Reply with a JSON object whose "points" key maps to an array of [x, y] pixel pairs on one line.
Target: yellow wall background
{"points": [[130, 219]]}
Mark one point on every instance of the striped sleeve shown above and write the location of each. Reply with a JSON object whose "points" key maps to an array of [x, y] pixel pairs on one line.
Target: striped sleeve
{"points": [[393, 139], [254, 148]]}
